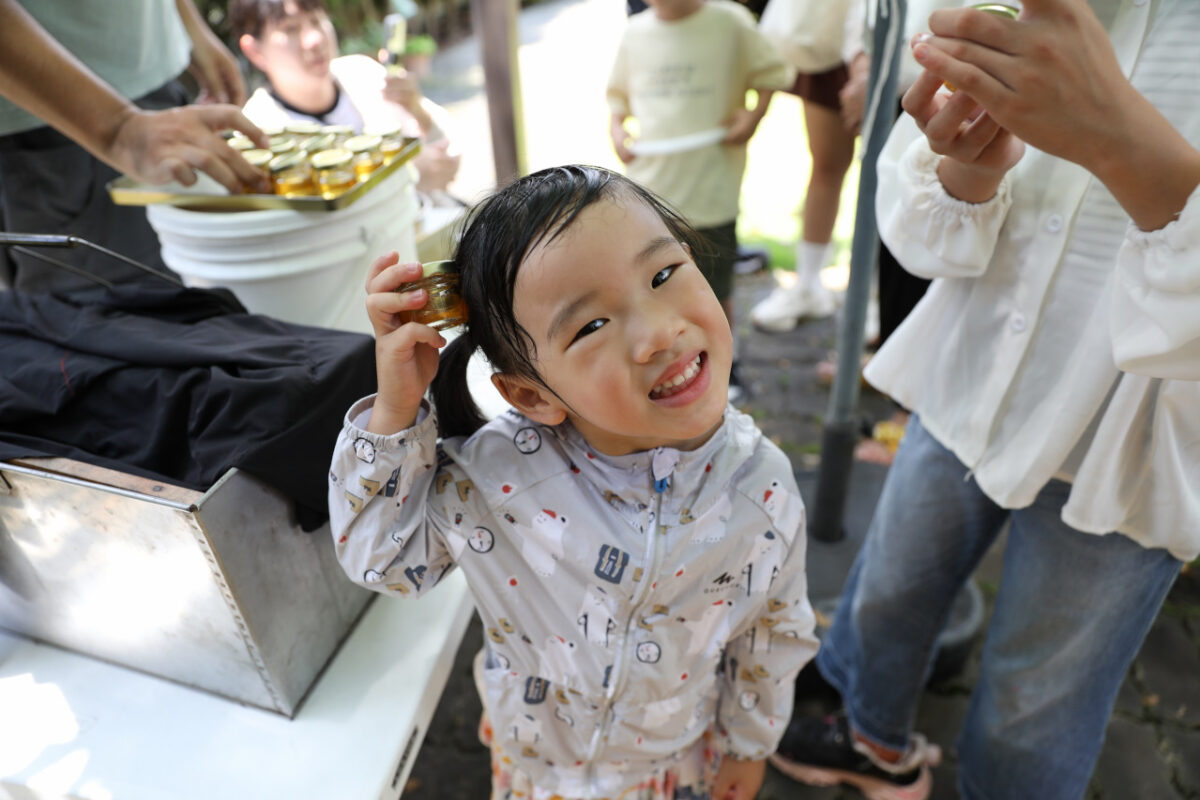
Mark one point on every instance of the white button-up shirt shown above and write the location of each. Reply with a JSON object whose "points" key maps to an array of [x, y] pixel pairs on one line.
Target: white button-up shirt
{"points": [[1058, 340]]}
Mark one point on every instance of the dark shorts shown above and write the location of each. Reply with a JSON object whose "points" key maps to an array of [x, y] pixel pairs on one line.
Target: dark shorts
{"points": [[716, 255], [821, 87]]}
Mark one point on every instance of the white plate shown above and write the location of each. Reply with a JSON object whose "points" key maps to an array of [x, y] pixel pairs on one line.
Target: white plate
{"points": [[678, 144]]}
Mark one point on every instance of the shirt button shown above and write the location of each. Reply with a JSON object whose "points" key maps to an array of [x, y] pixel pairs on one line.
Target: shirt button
{"points": [[1017, 321], [1054, 223]]}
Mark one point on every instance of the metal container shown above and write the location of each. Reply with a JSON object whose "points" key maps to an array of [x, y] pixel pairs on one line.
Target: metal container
{"points": [[218, 590]]}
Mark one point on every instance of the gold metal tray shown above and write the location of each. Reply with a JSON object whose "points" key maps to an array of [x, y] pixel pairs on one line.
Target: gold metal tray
{"points": [[125, 191]]}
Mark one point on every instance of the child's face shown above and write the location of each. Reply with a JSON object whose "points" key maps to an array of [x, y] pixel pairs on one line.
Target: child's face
{"points": [[619, 312], [300, 45]]}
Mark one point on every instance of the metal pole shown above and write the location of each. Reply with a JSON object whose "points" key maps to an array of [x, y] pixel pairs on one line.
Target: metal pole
{"points": [[840, 433], [495, 24]]}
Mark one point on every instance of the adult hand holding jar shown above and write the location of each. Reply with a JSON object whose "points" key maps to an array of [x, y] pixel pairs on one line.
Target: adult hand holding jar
{"points": [[1052, 79]]}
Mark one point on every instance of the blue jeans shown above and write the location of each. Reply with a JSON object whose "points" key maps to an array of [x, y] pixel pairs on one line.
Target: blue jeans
{"points": [[1070, 615]]}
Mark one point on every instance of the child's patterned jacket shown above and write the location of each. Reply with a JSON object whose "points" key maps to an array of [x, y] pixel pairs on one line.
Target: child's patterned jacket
{"points": [[631, 603]]}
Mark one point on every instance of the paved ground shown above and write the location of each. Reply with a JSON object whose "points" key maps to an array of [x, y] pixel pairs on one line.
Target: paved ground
{"points": [[1152, 750]]}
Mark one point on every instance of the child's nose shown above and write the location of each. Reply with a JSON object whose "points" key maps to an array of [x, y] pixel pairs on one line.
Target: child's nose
{"points": [[313, 37], [655, 331]]}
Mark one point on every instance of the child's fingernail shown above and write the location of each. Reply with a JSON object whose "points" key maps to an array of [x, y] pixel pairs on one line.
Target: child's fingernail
{"points": [[921, 38]]}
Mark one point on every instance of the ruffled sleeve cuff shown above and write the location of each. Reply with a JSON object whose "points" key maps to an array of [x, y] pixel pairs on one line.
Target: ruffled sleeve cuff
{"points": [[932, 234], [1156, 298], [422, 432]]}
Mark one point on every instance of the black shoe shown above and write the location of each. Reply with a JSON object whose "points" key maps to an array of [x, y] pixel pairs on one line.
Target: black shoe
{"points": [[751, 260], [821, 751]]}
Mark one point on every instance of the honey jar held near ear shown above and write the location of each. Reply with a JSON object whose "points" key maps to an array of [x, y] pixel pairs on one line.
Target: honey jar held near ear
{"points": [[445, 307]]}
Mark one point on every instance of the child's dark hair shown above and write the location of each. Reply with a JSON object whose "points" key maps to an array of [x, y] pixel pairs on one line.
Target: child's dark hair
{"points": [[498, 234], [251, 16]]}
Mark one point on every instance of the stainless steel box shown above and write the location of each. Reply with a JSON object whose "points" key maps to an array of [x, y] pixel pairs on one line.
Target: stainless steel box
{"points": [[219, 590]]}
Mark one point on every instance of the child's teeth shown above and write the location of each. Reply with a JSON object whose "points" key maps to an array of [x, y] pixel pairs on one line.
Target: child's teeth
{"points": [[682, 377]]}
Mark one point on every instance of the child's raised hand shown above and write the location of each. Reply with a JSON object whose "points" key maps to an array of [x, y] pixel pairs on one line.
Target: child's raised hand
{"points": [[406, 353], [738, 780]]}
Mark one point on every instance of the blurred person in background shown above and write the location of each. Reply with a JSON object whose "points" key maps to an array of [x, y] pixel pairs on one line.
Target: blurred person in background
{"points": [[293, 43]]}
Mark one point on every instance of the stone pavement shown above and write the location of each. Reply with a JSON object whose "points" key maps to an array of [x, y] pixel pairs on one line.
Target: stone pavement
{"points": [[1152, 751]]}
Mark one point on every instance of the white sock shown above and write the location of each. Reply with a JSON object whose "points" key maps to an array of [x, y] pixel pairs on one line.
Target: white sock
{"points": [[810, 260]]}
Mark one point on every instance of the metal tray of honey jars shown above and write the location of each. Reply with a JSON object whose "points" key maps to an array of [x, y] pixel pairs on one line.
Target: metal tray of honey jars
{"points": [[126, 191]]}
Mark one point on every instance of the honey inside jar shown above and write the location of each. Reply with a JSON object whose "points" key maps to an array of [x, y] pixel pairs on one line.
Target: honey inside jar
{"points": [[334, 171], [367, 156], [390, 146], [291, 175], [445, 307]]}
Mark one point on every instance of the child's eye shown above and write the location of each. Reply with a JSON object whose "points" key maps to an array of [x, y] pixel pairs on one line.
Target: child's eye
{"points": [[662, 275], [591, 327]]}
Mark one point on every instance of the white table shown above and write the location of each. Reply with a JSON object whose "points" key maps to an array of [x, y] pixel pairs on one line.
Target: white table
{"points": [[72, 725]]}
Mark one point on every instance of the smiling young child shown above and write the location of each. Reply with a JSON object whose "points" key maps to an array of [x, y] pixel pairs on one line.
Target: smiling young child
{"points": [[634, 545]]}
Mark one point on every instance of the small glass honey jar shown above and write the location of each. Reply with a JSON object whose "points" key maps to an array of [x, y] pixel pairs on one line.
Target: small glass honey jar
{"points": [[340, 133], [445, 307], [241, 143], [302, 128], [367, 157], [256, 158], [283, 143], [390, 146], [316, 144], [291, 175], [334, 171]]}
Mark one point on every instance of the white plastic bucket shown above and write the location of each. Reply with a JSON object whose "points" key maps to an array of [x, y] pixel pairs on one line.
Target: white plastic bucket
{"points": [[299, 266]]}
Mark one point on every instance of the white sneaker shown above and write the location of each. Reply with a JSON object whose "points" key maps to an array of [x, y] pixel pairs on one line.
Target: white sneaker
{"points": [[783, 309]]}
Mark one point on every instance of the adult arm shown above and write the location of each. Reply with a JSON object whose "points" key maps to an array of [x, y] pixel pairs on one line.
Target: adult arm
{"points": [[212, 65], [41, 76]]}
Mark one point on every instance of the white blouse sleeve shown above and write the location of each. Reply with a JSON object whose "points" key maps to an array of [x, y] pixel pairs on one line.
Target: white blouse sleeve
{"points": [[932, 234], [1156, 299]]}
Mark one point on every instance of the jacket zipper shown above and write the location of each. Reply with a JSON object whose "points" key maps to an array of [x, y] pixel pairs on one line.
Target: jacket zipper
{"points": [[617, 677]]}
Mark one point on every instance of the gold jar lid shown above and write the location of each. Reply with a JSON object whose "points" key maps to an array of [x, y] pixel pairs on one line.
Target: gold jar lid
{"points": [[240, 142], [258, 157], [302, 128], [338, 130], [997, 8], [282, 144], [358, 144], [286, 161], [329, 159], [318, 143], [445, 267]]}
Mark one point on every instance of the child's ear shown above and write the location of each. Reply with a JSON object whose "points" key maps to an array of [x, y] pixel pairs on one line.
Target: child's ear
{"points": [[531, 399], [250, 50]]}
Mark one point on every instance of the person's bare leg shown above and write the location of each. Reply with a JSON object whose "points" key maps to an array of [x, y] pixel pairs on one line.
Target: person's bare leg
{"points": [[832, 150]]}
